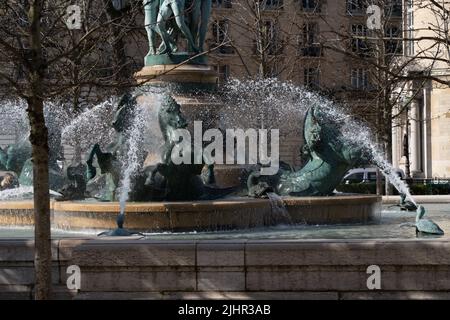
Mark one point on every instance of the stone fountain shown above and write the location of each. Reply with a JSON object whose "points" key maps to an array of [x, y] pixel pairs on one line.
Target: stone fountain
{"points": [[164, 196], [181, 197]]}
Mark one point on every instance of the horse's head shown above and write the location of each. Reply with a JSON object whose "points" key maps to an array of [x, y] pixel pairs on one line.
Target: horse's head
{"points": [[324, 136], [170, 115]]}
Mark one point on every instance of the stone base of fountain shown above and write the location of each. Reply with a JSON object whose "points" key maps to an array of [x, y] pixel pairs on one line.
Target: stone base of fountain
{"points": [[267, 269], [228, 175], [190, 85], [229, 214], [190, 77]]}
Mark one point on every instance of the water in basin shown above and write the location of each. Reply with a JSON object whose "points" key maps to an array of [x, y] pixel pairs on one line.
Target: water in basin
{"points": [[387, 227]]}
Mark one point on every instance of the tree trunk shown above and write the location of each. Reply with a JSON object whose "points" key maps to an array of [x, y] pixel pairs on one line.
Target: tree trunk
{"points": [[39, 142], [379, 123], [42, 233], [388, 148]]}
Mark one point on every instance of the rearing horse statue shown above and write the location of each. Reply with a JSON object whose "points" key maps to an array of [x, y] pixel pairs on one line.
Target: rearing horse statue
{"points": [[174, 181], [109, 161]]}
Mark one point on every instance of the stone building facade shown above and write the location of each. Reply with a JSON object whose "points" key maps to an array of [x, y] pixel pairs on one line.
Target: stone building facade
{"points": [[425, 134]]}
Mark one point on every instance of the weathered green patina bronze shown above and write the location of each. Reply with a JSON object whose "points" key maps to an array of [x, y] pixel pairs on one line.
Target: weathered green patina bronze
{"points": [[56, 175], [109, 163], [169, 181], [164, 181], [405, 204], [75, 187], [201, 10], [424, 227], [170, 18], [329, 159], [18, 159], [14, 156]]}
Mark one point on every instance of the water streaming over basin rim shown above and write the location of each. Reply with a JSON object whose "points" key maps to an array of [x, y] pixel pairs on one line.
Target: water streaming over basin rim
{"points": [[207, 215], [388, 227]]}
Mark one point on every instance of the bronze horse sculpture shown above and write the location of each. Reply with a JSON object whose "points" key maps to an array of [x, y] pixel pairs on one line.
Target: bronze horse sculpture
{"points": [[109, 161], [170, 181], [164, 181], [14, 156]]}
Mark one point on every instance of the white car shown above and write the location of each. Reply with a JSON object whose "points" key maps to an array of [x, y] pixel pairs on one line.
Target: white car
{"points": [[365, 175]]}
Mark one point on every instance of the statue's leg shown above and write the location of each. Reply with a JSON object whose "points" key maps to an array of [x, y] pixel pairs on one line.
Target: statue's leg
{"points": [[91, 171], [194, 22], [92, 153], [163, 15], [179, 19], [167, 154], [151, 15], [206, 12], [173, 39], [173, 45]]}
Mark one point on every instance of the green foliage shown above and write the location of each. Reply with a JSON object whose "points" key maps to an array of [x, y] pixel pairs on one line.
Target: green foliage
{"points": [[430, 189]]}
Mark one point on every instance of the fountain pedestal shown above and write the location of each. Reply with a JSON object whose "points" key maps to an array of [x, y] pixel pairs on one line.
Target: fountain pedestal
{"points": [[185, 77], [191, 86]]}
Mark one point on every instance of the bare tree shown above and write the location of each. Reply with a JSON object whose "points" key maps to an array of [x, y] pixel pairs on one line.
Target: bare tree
{"points": [[51, 50], [259, 32], [375, 40]]}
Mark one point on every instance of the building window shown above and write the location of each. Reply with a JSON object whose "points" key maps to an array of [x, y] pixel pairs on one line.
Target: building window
{"points": [[221, 4], [309, 41], [394, 8], [311, 77], [394, 44], [356, 7], [223, 72], [359, 42], [269, 42], [360, 79], [410, 28], [270, 4], [311, 5], [220, 36]]}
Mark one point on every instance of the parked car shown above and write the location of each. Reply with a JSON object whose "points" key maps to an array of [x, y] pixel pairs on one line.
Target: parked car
{"points": [[366, 175]]}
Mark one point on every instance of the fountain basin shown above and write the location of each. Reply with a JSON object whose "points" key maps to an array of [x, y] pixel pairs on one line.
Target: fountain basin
{"points": [[225, 214]]}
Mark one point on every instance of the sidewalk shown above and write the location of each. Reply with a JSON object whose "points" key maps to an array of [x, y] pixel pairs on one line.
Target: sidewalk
{"points": [[419, 199]]}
